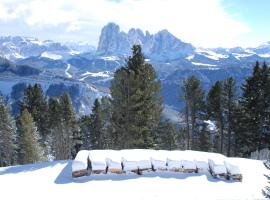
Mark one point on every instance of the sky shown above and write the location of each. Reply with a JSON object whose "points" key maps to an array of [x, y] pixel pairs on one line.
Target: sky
{"points": [[205, 23]]}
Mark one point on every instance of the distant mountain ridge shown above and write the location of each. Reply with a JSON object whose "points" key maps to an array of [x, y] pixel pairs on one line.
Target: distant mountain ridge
{"points": [[80, 63], [19, 47]]}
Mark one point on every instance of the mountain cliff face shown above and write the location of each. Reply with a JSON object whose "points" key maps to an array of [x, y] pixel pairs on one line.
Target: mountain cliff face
{"points": [[113, 41], [160, 46], [168, 46]]}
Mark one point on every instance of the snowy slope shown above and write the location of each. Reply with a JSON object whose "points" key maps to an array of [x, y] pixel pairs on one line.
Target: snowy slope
{"points": [[53, 181]]}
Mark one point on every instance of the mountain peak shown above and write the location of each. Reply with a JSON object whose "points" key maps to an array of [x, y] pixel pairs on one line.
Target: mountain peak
{"points": [[164, 31], [112, 26], [109, 38], [112, 41]]}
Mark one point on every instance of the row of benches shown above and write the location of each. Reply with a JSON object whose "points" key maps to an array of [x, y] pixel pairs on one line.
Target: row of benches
{"points": [[139, 160]]}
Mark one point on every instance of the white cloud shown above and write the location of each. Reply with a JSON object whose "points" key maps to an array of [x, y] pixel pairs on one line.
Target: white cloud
{"points": [[203, 23]]}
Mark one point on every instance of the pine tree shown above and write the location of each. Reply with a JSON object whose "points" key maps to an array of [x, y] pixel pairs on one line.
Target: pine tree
{"points": [[35, 102], [120, 109], [166, 136], [106, 114], [56, 128], [30, 151], [85, 126], [216, 110], [136, 103], [7, 136], [204, 139], [71, 127], [255, 105], [229, 102], [64, 128], [194, 100], [238, 127], [96, 127]]}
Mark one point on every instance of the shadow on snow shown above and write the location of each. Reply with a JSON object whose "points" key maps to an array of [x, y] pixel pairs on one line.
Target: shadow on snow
{"points": [[28, 167]]}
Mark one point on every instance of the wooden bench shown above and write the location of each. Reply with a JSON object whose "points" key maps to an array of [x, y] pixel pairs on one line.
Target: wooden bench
{"points": [[80, 165]]}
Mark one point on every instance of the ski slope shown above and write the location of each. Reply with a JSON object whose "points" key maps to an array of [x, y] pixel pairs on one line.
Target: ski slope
{"points": [[52, 180]]}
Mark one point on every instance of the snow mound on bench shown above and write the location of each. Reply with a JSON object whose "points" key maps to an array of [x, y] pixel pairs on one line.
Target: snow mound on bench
{"points": [[80, 161]]}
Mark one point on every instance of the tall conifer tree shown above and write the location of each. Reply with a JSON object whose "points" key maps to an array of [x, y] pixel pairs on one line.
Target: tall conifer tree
{"points": [[7, 135], [229, 101], [136, 103], [216, 109], [35, 102], [255, 105], [30, 150], [194, 103]]}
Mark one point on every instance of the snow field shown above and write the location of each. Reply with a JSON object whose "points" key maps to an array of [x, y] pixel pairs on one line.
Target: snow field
{"points": [[52, 180]]}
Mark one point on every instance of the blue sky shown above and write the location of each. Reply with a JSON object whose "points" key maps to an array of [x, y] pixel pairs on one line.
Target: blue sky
{"points": [[254, 13], [207, 23]]}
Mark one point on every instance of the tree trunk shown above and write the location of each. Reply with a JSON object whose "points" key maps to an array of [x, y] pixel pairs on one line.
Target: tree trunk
{"points": [[187, 123], [229, 140], [193, 120], [229, 122], [221, 136]]}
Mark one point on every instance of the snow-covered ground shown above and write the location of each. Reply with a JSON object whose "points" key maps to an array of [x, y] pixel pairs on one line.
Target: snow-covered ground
{"points": [[51, 55], [53, 181]]}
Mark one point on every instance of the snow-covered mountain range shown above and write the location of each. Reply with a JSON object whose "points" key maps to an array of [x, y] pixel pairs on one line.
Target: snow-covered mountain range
{"points": [[173, 59]]}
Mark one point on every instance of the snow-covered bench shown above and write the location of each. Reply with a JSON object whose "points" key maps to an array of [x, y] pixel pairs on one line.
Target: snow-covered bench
{"points": [[158, 160], [139, 160], [189, 166], [233, 171], [217, 169], [173, 161], [80, 165], [114, 162], [98, 161], [202, 166], [136, 160]]}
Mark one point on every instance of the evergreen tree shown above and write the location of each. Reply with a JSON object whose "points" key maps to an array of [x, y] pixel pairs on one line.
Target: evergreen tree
{"points": [[166, 136], [255, 105], [216, 110], [120, 109], [238, 127], [35, 102], [194, 100], [96, 127], [7, 135], [30, 151], [205, 139], [56, 128], [85, 126], [229, 101], [136, 103], [64, 128], [106, 114], [71, 129]]}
